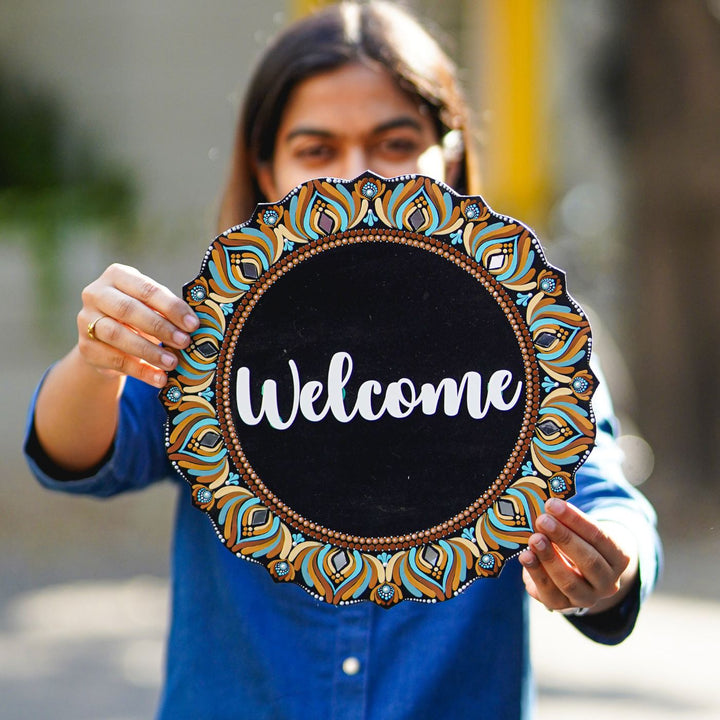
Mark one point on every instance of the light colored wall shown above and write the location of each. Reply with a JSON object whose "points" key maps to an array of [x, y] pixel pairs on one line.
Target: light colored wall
{"points": [[155, 83]]}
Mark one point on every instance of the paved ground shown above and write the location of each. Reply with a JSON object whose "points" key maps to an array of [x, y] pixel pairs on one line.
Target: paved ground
{"points": [[666, 669], [92, 650]]}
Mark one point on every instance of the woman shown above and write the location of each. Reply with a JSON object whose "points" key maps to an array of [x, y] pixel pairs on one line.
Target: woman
{"points": [[354, 87]]}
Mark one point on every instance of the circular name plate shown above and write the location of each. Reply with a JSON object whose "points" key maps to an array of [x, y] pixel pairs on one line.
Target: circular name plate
{"points": [[388, 382]]}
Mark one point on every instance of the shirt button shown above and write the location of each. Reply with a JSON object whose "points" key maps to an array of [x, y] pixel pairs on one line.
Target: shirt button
{"points": [[351, 665]]}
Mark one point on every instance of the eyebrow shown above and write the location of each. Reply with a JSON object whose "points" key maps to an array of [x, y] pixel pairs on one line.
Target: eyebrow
{"points": [[403, 121]]}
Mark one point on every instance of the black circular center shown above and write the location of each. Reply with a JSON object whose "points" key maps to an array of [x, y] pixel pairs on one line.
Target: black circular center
{"points": [[392, 447]]}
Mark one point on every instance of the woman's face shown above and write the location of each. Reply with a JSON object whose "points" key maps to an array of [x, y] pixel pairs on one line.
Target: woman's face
{"points": [[345, 121]]}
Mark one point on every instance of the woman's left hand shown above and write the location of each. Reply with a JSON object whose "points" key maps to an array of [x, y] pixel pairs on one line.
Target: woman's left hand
{"points": [[574, 562]]}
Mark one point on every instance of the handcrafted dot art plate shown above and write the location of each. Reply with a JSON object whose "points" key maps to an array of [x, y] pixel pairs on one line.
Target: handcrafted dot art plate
{"points": [[387, 384]]}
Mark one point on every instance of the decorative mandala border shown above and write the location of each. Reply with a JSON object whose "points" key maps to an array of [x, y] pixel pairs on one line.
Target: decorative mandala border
{"points": [[553, 335]]}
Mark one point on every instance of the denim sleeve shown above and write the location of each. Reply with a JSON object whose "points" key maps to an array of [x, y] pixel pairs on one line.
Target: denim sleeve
{"points": [[136, 459], [603, 493]]}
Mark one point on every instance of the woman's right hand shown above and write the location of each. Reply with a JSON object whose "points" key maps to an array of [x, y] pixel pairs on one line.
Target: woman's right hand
{"points": [[134, 317], [78, 404]]}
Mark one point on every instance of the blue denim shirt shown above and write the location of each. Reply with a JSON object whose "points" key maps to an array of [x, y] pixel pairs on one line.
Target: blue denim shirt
{"points": [[241, 646]]}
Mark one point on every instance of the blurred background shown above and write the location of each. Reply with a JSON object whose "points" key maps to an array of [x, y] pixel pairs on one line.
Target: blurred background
{"points": [[598, 126]]}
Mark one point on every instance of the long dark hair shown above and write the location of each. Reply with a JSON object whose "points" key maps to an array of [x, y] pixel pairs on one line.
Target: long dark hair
{"points": [[376, 33]]}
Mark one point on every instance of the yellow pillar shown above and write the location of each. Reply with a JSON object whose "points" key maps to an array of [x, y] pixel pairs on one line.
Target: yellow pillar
{"points": [[508, 56], [298, 8]]}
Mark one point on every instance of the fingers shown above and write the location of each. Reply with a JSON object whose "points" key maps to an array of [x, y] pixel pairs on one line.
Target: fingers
{"points": [[571, 561], [136, 323], [568, 524], [551, 580], [539, 586], [154, 309], [117, 349], [127, 310], [128, 296]]}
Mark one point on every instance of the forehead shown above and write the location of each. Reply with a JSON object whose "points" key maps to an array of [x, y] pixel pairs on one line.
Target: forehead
{"points": [[354, 97]]}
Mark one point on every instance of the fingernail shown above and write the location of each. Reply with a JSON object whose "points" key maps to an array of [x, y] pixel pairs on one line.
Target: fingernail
{"points": [[191, 322], [181, 338], [554, 504], [168, 360], [527, 558], [540, 543], [159, 379], [547, 523]]}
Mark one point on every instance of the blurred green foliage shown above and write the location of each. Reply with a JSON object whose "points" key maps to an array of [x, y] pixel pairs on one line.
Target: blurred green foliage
{"points": [[53, 184]]}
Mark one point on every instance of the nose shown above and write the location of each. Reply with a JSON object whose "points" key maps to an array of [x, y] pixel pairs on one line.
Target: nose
{"points": [[356, 160]]}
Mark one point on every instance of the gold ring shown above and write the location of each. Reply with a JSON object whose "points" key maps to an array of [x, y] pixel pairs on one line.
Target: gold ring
{"points": [[91, 327]]}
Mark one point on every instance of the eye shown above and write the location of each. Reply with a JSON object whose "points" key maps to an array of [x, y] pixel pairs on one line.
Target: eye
{"points": [[399, 146], [315, 152]]}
